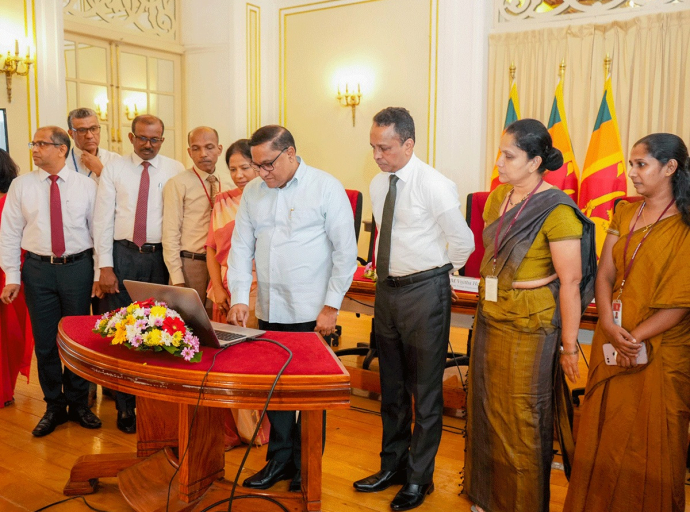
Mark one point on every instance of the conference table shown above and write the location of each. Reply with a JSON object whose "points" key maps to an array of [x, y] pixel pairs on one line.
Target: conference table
{"points": [[180, 421]]}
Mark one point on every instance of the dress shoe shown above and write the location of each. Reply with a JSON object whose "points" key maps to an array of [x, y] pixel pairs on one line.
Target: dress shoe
{"points": [[84, 416], [271, 473], [411, 496], [49, 421], [296, 483], [127, 421], [381, 480]]}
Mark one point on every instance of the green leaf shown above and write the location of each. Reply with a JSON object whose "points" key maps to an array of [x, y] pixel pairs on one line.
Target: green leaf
{"points": [[171, 349]]}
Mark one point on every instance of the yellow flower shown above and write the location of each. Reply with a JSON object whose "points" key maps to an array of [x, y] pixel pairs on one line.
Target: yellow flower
{"points": [[131, 308], [130, 320], [154, 338], [158, 311], [120, 334], [177, 338]]}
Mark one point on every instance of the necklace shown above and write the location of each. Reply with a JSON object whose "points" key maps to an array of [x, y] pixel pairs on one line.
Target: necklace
{"points": [[517, 203]]}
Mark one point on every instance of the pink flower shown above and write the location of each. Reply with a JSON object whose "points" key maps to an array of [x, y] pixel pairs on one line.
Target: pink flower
{"points": [[187, 353]]}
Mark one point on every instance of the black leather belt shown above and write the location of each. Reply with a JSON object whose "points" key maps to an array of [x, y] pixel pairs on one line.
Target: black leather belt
{"points": [[397, 282], [60, 260], [146, 248], [193, 255]]}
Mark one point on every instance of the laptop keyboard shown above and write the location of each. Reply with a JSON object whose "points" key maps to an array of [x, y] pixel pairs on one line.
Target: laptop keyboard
{"points": [[228, 336]]}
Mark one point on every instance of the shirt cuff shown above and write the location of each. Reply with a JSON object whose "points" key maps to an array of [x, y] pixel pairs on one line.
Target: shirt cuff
{"points": [[334, 300], [177, 277], [105, 260], [13, 277]]}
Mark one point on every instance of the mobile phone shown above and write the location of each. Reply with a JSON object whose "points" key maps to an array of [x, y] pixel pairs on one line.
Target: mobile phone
{"points": [[610, 354]]}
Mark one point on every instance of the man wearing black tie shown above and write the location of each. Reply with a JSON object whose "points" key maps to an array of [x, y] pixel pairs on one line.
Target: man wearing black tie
{"points": [[48, 213], [422, 237]]}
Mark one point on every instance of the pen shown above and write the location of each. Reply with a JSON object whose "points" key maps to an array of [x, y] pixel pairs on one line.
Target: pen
{"points": [[290, 214]]}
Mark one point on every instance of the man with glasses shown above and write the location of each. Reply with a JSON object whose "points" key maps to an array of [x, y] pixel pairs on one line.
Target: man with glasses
{"points": [[86, 157], [128, 227], [187, 203], [297, 224], [48, 213]]}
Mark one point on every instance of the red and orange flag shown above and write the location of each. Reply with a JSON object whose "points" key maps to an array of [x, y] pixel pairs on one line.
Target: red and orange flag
{"points": [[512, 115], [603, 177], [567, 177]]}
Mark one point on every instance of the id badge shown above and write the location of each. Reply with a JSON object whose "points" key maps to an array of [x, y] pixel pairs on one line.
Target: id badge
{"points": [[617, 309], [491, 288]]}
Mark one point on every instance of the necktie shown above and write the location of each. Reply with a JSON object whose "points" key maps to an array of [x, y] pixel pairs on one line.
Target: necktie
{"points": [[383, 257], [214, 187], [57, 234], [139, 236]]}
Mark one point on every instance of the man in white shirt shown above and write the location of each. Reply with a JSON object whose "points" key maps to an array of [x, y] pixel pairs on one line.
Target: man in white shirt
{"points": [[422, 237], [187, 203], [297, 224], [127, 226], [48, 213], [86, 157]]}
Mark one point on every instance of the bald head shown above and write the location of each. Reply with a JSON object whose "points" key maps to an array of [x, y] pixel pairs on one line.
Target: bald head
{"points": [[204, 149]]}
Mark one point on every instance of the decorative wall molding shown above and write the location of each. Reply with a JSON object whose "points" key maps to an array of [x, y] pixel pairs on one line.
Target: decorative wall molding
{"points": [[151, 18], [253, 13], [531, 12]]}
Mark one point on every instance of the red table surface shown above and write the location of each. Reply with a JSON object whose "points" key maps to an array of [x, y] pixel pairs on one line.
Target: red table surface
{"points": [[310, 355]]}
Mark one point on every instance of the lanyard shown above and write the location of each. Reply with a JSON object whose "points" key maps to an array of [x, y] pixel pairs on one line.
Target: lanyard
{"points": [[204, 185], [75, 164], [497, 244], [628, 268]]}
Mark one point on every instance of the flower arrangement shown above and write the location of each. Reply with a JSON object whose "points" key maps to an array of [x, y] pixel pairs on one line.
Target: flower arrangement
{"points": [[370, 272], [150, 325]]}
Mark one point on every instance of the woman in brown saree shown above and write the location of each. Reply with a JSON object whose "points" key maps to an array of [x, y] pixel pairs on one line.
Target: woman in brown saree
{"points": [[633, 435], [537, 278]]}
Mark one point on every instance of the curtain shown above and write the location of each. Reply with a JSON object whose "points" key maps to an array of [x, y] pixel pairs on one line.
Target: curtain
{"points": [[650, 76]]}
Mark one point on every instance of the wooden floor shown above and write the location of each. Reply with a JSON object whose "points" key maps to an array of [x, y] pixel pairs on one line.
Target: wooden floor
{"points": [[33, 471]]}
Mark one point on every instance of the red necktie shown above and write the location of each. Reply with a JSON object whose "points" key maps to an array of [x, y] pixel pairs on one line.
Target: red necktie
{"points": [[57, 234], [139, 236]]}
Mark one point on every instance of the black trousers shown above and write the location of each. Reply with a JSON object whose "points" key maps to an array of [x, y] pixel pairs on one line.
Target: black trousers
{"points": [[412, 324], [285, 437], [54, 291], [131, 264]]}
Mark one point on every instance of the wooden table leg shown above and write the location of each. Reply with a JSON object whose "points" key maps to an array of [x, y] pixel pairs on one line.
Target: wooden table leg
{"points": [[312, 449]]}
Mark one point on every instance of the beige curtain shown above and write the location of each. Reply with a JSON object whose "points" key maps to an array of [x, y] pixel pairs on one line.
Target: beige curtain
{"points": [[650, 78]]}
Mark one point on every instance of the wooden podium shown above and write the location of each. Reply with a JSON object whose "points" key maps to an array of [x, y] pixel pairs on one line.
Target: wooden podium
{"points": [[168, 427]]}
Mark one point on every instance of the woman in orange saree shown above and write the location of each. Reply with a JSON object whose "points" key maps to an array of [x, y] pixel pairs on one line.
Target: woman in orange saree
{"points": [[633, 437]]}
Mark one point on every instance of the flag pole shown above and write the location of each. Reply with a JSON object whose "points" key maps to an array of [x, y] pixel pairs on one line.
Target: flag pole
{"points": [[607, 66]]}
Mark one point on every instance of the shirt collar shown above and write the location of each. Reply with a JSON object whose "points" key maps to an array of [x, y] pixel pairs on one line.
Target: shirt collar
{"points": [[137, 160], [404, 173], [64, 174], [77, 152], [299, 174], [203, 174]]}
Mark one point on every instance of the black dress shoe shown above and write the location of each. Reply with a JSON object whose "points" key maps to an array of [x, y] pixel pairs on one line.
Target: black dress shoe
{"points": [[127, 421], [84, 417], [296, 483], [271, 473], [411, 496], [381, 480], [49, 421]]}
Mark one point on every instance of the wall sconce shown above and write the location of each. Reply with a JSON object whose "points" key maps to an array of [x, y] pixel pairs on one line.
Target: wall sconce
{"points": [[101, 108], [350, 99], [13, 64], [131, 110]]}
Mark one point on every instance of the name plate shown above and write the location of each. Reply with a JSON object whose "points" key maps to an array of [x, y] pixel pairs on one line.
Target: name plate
{"points": [[465, 284]]}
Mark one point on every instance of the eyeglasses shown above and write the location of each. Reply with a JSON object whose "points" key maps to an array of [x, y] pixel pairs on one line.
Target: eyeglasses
{"points": [[82, 131], [43, 144], [153, 141], [268, 167]]}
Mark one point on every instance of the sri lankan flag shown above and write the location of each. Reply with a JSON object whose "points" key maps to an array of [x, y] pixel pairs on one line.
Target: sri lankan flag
{"points": [[567, 177], [603, 178], [512, 115]]}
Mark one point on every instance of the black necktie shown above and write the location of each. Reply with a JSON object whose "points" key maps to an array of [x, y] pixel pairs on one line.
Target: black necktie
{"points": [[384, 253]]}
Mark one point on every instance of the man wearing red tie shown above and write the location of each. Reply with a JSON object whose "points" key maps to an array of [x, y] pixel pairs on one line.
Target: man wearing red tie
{"points": [[127, 227], [48, 213]]}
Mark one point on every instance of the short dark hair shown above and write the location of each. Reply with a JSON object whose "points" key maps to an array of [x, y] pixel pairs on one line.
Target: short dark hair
{"points": [[80, 113], [8, 171], [533, 138], [58, 135], [240, 146], [400, 118], [147, 119], [279, 137]]}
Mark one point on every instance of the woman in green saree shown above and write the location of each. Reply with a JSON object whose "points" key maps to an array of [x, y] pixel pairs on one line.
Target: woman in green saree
{"points": [[537, 278]]}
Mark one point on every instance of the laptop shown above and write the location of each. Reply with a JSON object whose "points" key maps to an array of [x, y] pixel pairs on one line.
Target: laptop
{"points": [[187, 303]]}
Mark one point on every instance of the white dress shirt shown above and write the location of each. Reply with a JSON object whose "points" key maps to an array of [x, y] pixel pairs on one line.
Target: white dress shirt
{"points": [[26, 217], [428, 229], [303, 241], [73, 161], [116, 203]]}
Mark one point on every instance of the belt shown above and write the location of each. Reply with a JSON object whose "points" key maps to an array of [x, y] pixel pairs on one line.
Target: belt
{"points": [[193, 255], [146, 248], [397, 282], [60, 260]]}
